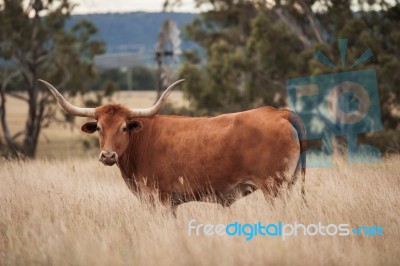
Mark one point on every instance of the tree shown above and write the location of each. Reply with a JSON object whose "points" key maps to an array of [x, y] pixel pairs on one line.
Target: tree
{"points": [[144, 78], [34, 38], [253, 47], [222, 32]]}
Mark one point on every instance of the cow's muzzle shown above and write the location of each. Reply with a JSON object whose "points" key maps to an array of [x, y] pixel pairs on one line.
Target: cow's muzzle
{"points": [[108, 157]]}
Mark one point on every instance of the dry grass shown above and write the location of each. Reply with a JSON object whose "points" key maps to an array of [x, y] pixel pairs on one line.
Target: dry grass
{"points": [[78, 212]]}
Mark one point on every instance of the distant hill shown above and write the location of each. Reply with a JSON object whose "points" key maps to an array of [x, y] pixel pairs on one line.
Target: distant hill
{"points": [[133, 32]]}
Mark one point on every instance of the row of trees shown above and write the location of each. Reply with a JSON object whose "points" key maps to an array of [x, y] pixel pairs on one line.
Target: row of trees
{"points": [[142, 77], [253, 47]]}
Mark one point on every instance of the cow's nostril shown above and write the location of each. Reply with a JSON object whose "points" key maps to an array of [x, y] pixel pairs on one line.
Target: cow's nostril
{"points": [[108, 157]]}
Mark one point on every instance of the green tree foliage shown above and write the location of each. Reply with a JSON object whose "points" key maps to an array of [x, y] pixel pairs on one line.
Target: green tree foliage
{"points": [[144, 78], [33, 37], [253, 47], [106, 75]]}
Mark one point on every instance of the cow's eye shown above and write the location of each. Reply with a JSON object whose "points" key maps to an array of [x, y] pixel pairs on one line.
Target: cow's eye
{"points": [[124, 129], [97, 128]]}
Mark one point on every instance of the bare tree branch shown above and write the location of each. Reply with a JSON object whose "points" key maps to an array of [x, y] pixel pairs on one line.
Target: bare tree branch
{"points": [[17, 96], [3, 120], [16, 135], [23, 67], [66, 76], [311, 18], [297, 31], [46, 117], [9, 78]]}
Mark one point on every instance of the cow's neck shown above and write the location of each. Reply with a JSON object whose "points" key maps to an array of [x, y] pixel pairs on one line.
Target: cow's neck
{"points": [[136, 152]]}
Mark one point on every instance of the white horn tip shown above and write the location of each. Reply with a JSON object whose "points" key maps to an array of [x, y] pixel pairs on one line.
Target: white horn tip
{"points": [[43, 81], [176, 83]]}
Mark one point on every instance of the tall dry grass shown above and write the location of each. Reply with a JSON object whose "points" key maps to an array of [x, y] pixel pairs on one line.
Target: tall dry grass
{"points": [[78, 212]]}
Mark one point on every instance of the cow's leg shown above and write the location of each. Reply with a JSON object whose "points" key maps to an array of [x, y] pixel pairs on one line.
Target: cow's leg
{"points": [[144, 195], [148, 199], [291, 185], [240, 191], [132, 185], [246, 188], [271, 188], [227, 200], [172, 200]]}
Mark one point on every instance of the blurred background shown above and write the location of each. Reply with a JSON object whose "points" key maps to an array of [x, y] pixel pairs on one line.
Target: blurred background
{"points": [[234, 54]]}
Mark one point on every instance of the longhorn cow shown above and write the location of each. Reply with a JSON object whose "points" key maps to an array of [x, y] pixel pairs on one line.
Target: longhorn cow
{"points": [[187, 158]]}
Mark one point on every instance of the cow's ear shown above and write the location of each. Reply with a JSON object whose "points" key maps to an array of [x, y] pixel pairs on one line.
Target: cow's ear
{"points": [[134, 126], [89, 127]]}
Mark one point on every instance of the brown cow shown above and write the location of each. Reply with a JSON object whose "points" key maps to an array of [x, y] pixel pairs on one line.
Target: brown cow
{"points": [[187, 158]]}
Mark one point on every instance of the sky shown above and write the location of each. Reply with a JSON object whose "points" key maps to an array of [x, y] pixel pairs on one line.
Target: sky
{"points": [[109, 6], [103, 6]]}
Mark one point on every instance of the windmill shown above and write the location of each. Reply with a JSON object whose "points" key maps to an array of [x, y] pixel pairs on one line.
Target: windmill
{"points": [[167, 52]]}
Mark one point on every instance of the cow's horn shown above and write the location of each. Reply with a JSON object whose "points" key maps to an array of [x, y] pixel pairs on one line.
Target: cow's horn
{"points": [[72, 109], [159, 104]]}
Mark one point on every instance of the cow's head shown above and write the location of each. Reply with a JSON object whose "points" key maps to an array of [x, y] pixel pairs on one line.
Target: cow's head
{"points": [[114, 123]]}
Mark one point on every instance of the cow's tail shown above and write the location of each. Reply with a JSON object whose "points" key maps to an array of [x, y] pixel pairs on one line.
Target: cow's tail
{"points": [[298, 125]]}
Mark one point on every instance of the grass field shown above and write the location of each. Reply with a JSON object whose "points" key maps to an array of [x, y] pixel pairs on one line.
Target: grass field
{"points": [[78, 212]]}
